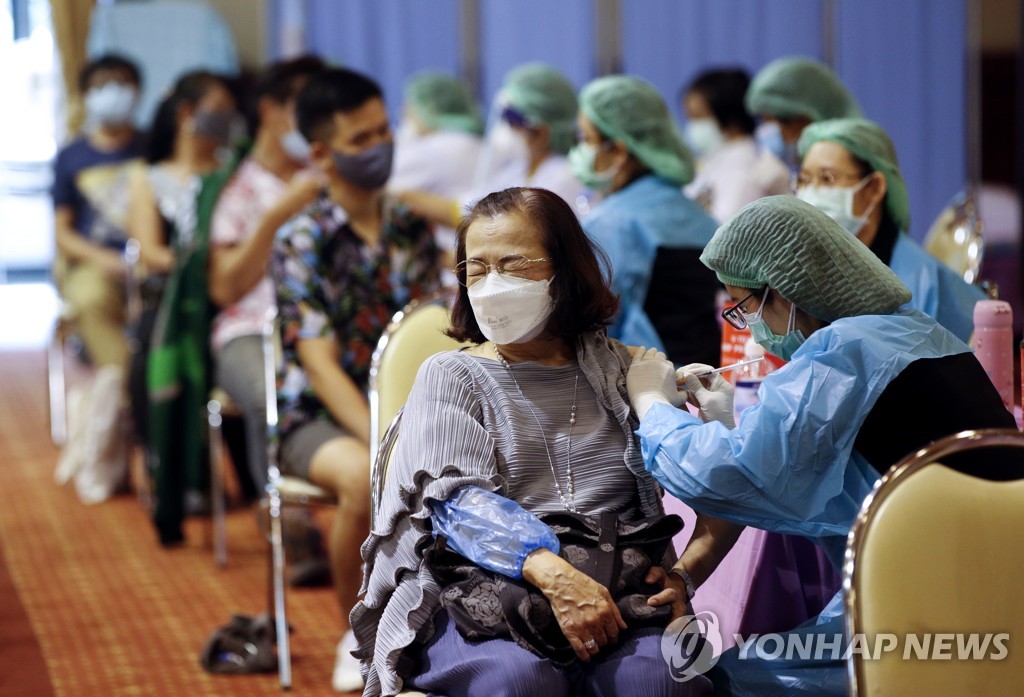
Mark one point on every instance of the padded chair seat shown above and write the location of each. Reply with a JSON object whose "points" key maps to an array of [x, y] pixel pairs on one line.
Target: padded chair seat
{"points": [[228, 407], [296, 489]]}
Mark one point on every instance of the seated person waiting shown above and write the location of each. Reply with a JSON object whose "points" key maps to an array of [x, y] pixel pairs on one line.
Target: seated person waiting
{"points": [[532, 420]]}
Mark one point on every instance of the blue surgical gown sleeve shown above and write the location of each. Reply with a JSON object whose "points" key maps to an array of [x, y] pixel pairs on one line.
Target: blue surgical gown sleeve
{"points": [[491, 530], [788, 467], [631, 254]]}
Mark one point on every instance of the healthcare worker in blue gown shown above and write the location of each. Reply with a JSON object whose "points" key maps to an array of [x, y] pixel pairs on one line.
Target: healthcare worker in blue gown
{"points": [[632, 152], [849, 170], [869, 380]]}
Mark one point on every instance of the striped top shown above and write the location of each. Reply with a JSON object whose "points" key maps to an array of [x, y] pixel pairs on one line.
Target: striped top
{"points": [[466, 424]]}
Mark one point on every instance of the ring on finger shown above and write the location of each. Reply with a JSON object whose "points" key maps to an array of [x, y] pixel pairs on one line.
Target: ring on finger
{"points": [[590, 644]]}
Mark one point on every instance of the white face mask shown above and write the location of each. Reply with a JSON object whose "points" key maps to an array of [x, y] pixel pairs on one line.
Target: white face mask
{"points": [[295, 146], [704, 136], [507, 145], [837, 203], [510, 310], [110, 105]]}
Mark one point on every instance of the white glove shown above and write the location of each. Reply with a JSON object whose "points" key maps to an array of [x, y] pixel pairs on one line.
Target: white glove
{"points": [[714, 395], [651, 379]]}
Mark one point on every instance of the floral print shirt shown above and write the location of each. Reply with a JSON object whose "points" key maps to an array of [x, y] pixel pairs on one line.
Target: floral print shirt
{"points": [[330, 283]]}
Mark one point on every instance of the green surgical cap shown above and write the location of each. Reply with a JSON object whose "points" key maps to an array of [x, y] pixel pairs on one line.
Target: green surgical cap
{"points": [[631, 110], [543, 95], [790, 87], [866, 141], [791, 246], [443, 103]]}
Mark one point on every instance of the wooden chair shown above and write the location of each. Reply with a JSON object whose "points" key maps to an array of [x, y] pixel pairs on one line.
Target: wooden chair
{"points": [[935, 551]]}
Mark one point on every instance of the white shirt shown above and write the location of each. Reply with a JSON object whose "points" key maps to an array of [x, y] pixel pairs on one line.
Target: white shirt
{"points": [[441, 163], [736, 174], [554, 174]]}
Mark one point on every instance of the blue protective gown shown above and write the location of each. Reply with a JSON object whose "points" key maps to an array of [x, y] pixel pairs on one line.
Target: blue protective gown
{"points": [[630, 225], [938, 291], [790, 466]]}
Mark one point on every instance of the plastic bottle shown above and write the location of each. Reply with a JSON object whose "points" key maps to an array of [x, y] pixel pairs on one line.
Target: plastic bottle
{"points": [[993, 345], [748, 378]]}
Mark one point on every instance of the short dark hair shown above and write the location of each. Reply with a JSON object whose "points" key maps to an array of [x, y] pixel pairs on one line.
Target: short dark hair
{"points": [[332, 91], [724, 91], [284, 79], [580, 288], [108, 61]]}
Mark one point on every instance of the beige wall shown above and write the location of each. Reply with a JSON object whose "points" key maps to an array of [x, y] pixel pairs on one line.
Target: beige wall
{"points": [[1000, 25], [248, 22]]}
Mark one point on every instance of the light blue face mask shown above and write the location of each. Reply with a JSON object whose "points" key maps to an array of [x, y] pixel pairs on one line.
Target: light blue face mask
{"points": [[581, 161], [769, 137], [783, 346]]}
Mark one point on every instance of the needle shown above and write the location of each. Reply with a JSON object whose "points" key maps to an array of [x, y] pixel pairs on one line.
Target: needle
{"points": [[727, 368]]}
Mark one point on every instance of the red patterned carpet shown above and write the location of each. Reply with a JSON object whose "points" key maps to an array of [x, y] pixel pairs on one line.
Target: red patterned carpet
{"points": [[89, 602]]}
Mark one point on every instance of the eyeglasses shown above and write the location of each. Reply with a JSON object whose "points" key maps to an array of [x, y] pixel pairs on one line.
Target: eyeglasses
{"points": [[514, 265], [735, 315], [826, 178]]}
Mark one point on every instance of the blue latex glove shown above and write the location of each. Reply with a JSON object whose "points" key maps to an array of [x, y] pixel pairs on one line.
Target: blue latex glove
{"points": [[490, 530]]}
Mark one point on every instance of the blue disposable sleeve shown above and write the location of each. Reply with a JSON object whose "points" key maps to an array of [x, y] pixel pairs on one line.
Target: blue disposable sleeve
{"points": [[490, 530]]}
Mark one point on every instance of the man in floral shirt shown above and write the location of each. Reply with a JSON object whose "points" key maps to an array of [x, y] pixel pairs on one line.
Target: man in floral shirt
{"points": [[342, 268]]}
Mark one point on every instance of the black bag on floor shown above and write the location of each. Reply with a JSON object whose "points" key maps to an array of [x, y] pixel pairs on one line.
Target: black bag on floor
{"points": [[242, 646]]}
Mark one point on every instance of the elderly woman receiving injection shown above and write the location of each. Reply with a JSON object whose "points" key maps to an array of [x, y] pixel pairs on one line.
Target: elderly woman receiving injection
{"points": [[530, 424]]}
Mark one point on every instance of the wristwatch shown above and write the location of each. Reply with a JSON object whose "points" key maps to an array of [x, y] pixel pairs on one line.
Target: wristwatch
{"points": [[691, 587]]}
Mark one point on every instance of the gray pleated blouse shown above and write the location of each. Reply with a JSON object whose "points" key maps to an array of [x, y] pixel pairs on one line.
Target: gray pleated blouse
{"points": [[466, 423]]}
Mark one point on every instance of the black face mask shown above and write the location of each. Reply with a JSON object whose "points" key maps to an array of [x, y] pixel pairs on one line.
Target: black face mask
{"points": [[369, 169], [215, 126]]}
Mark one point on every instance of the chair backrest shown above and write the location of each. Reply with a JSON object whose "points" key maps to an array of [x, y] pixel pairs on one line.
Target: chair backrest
{"points": [[414, 335], [936, 552], [955, 238], [380, 465]]}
